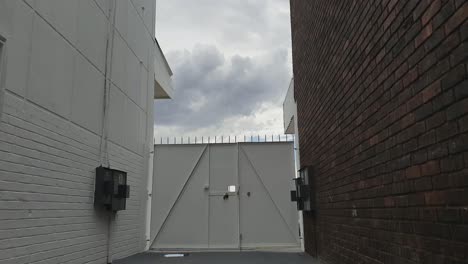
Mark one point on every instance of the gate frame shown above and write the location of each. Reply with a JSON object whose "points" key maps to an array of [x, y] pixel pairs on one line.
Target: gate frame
{"points": [[206, 148]]}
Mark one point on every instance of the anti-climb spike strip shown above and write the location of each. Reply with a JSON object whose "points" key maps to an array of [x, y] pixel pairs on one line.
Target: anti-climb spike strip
{"points": [[229, 139]]}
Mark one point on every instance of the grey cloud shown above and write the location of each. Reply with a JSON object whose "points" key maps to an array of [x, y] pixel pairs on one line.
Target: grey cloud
{"points": [[245, 65], [210, 88], [235, 24], [207, 58]]}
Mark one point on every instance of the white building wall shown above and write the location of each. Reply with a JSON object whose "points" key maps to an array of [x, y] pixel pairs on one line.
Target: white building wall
{"points": [[51, 123], [290, 127]]}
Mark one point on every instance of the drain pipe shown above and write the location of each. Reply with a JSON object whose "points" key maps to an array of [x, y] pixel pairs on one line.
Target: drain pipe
{"points": [[104, 152], [149, 198], [109, 237], [151, 152]]}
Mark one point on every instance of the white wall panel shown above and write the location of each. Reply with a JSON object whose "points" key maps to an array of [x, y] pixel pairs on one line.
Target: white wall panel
{"points": [[91, 33], [120, 56], [142, 132], [50, 131], [133, 76], [128, 15], [104, 6], [144, 8], [133, 125], [88, 95], [121, 19], [19, 47], [117, 115], [142, 92], [7, 8], [61, 15], [51, 69], [149, 101], [133, 35]]}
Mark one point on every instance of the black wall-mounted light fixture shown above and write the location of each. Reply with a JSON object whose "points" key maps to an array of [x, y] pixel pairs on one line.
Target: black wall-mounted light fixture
{"points": [[304, 195]]}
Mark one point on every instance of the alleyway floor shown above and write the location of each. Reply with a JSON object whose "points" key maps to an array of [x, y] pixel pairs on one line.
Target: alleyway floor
{"points": [[224, 258]]}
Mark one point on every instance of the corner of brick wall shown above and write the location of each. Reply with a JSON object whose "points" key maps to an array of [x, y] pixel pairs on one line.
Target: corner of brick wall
{"points": [[382, 94]]}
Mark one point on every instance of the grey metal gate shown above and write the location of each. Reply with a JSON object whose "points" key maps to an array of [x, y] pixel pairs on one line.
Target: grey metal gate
{"points": [[223, 196]]}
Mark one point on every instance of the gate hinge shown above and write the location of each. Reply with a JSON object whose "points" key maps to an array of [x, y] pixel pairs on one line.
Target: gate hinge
{"points": [[240, 236]]}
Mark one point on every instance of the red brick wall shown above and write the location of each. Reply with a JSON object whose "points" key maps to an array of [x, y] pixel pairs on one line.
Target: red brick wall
{"points": [[382, 94]]}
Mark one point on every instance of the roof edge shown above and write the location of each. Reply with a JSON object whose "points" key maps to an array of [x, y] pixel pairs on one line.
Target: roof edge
{"points": [[164, 57]]}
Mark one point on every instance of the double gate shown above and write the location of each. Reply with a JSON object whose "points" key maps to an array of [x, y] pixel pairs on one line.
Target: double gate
{"points": [[223, 196]]}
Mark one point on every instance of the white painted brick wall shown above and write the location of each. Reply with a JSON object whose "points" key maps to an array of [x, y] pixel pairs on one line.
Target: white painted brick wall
{"points": [[50, 128]]}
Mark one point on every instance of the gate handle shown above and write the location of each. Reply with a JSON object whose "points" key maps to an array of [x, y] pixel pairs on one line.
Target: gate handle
{"points": [[226, 196]]}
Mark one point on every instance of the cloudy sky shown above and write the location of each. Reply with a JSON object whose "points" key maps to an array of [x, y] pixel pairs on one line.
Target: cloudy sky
{"points": [[232, 66]]}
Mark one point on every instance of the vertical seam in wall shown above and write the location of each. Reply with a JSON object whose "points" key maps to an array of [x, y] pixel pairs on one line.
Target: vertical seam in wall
{"points": [[2, 74], [239, 193], [208, 193]]}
